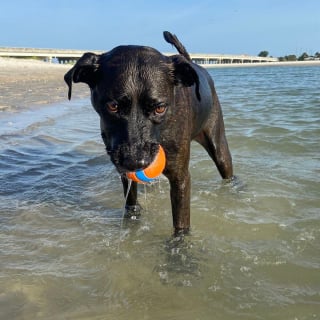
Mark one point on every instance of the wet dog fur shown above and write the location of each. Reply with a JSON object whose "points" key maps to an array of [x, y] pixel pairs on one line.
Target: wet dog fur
{"points": [[146, 99]]}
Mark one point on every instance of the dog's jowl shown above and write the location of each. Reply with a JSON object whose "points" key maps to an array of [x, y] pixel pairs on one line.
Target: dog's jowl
{"points": [[144, 100]]}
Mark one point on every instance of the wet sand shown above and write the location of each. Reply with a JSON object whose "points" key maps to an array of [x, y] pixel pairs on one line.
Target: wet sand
{"points": [[30, 83]]}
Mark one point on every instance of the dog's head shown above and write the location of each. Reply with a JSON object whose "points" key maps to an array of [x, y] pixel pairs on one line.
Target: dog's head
{"points": [[132, 90]]}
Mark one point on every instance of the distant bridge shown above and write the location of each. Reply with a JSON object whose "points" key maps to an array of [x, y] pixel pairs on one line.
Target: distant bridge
{"points": [[67, 56]]}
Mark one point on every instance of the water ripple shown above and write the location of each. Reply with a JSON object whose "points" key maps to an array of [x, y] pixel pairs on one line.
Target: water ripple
{"points": [[253, 249]]}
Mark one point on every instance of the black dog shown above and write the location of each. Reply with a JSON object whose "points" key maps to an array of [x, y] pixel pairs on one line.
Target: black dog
{"points": [[145, 99]]}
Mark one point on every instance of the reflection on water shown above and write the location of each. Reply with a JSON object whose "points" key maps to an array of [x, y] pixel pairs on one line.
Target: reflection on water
{"points": [[254, 248]]}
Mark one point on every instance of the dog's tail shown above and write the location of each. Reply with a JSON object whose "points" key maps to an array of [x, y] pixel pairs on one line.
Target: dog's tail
{"points": [[172, 39]]}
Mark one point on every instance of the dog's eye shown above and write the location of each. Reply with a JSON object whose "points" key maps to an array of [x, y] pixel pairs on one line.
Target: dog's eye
{"points": [[112, 107], [160, 108]]}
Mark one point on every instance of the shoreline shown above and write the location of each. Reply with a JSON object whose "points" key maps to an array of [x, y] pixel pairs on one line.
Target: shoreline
{"points": [[27, 83]]}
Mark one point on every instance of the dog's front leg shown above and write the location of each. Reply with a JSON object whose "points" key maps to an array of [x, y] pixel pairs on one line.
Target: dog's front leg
{"points": [[180, 202], [133, 208]]}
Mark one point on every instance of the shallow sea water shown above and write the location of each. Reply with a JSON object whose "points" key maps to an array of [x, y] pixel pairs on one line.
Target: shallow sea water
{"points": [[254, 250]]}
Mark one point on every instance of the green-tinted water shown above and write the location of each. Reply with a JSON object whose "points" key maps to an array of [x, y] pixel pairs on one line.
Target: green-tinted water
{"points": [[254, 251]]}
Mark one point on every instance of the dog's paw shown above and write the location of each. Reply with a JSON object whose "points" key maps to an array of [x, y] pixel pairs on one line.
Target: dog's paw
{"points": [[133, 212], [236, 184], [179, 233]]}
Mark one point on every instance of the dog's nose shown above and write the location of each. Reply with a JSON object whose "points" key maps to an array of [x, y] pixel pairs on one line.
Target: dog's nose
{"points": [[134, 164]]}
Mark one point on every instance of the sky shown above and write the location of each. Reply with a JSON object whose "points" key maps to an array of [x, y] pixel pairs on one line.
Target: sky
{"points": [[280, 27]]}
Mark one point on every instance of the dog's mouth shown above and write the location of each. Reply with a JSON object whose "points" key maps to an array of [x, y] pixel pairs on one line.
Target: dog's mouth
{"points": [[127, 159]]}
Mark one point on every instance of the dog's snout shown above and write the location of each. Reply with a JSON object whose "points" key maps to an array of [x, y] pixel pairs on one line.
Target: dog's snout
{"points": [[129, 158], [134, 164]]}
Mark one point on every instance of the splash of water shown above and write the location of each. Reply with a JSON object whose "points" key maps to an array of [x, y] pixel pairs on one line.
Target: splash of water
{"points": [[145, 206], [123, 214]]}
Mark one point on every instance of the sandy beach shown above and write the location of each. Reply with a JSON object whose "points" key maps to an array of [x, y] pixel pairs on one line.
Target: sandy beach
{"points": [[29, 83]]}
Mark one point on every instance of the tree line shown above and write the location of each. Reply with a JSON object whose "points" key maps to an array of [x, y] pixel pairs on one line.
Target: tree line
{"points": [[293, 57]]}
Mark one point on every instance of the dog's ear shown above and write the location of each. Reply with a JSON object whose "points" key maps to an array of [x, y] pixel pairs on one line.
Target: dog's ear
{"points": [[185, 74], [85, 70]]}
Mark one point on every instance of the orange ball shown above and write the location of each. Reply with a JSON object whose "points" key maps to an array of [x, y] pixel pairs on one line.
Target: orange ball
{"points": [[152, 171]]}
